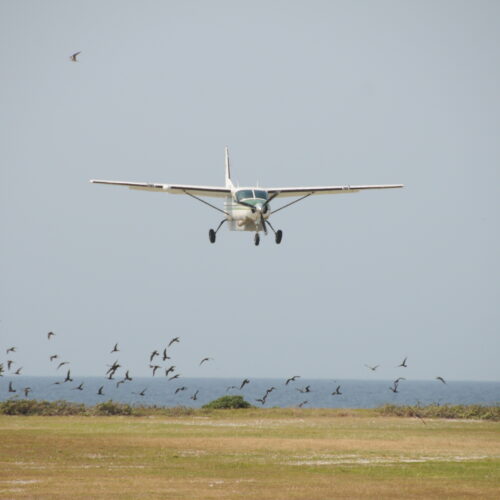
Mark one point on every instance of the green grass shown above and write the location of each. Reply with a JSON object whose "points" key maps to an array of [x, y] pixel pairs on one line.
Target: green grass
{"points": [[251, 453]]}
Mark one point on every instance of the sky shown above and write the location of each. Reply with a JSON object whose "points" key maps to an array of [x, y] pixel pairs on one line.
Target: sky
{"points": [[302, 93]]}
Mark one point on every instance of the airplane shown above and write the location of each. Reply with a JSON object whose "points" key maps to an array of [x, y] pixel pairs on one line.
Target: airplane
{"points": [[245, 208]]}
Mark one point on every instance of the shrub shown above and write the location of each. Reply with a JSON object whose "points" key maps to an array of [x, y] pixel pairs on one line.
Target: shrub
{"points": [[112, 408], [227, 402], [44, 408], [443, 411]]}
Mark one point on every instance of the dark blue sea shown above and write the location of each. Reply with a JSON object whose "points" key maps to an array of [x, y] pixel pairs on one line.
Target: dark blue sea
{"points": [[199, 391]]}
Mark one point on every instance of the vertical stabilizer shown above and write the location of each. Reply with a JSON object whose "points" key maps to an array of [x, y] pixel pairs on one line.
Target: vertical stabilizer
{"points": [[229, 183]]}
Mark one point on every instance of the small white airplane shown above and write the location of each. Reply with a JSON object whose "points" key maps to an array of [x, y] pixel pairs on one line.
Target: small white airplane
{"points": [[245, 208]]}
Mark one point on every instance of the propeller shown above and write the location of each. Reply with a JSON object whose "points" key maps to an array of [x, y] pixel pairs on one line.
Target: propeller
{"points": [[262, 209]]}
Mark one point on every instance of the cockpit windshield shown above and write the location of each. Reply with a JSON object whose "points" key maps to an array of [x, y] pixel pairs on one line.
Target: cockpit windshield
{"points": [[244, 194], [250, 194]]}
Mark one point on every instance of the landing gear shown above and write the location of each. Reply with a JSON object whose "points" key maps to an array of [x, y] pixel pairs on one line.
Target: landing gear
{"points": [[212, 233], [278, 235], [257, 239]]}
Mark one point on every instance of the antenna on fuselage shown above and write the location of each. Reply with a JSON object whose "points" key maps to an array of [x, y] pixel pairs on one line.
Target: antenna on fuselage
{"points": [[229, 182]]}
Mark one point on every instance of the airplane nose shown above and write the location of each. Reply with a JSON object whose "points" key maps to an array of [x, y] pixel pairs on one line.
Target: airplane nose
{"points": [[261, 210]]}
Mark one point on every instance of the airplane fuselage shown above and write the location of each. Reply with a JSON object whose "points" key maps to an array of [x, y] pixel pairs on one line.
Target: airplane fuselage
{"points": [[246, 207]]}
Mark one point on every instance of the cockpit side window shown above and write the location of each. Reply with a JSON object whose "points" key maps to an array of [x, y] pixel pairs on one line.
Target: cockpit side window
{"points": [[244, 194], [262, 195]]}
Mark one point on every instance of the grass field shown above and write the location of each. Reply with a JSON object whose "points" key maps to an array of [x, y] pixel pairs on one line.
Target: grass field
{"points": [[252, 454]]}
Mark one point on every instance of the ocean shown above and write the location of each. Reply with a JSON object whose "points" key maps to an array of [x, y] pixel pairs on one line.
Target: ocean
{"points": [[195, 392]]}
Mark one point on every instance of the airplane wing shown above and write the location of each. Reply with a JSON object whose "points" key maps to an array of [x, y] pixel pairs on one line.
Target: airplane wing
{"points": [[305, 191], [213, 191]]}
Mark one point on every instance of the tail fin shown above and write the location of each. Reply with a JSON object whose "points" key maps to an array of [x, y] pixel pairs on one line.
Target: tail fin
{"points": [[229, 183]]}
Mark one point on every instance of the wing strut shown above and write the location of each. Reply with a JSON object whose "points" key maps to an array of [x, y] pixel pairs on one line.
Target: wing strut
{"points": [[206, 203], [288, 204]]}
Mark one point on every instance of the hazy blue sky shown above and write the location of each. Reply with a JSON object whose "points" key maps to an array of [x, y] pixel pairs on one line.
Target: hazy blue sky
{"points": [[303, 93]]}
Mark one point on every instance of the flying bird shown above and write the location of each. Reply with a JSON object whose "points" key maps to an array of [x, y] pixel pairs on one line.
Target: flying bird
{"points": [[68, 377], [113, 368], [175, 339], [153, 354], [169, 370], [9, 364], [78, 388], [300, 405], [245, 382], [11, 388], [441, 379], [11, 349], [177, 375], [142, 393], [154, 367], [372, 368], [127, 376], [261, 400], [74, 56], [337, 392], [50, 334], [403, 364], [292, 379], [268, 391], [231, 387], [26, 391], [54, 356], [307, 388], [18, 371], [62, 364], [115, 349], [165, 355], [183, 388], [194, 397], [203, 360], [99, 392]]}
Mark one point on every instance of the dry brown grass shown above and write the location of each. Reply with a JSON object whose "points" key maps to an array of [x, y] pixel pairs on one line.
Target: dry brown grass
{"points": [[257, 454]]}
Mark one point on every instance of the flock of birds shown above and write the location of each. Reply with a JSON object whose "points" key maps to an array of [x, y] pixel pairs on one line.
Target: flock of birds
{"points": [[160, 364], [155, 357]]}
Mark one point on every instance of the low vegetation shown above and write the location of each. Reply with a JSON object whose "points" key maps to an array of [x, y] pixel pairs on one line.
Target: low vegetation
{"points": [[43, 408], [478, 412], [109, 408], [227, 402]]}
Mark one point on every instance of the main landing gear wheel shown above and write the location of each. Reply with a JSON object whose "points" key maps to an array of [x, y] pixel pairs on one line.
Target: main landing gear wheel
{"points": [[211, 236], [257, 239], [278, 236]]}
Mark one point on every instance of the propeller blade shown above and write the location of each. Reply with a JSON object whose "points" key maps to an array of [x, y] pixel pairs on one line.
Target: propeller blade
{"points": [[263, 222], [249, 205]]}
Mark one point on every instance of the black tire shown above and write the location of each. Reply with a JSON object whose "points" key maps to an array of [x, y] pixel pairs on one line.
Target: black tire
{"points": [[211, 236], [257, 239], [279, 236]]}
